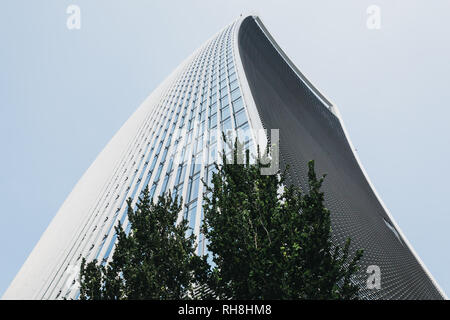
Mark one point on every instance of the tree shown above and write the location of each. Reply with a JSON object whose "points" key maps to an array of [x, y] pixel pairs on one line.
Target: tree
{"points": [[267, 241], [155, 260], [271, 241]]}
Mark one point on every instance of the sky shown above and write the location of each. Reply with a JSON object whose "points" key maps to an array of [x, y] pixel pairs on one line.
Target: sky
{"points": [[64, 93]]}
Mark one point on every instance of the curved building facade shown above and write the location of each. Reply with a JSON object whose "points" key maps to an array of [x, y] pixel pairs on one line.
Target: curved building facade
{"points": [[239, 80]]}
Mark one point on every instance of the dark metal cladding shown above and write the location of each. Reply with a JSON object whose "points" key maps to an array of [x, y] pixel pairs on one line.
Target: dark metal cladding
{"points": [[309, 130]]}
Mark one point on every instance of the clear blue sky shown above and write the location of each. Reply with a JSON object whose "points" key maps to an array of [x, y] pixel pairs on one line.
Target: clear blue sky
{"points": [[63, 94]]}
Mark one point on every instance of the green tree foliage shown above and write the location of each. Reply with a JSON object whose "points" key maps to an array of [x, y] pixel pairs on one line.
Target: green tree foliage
{"points": [[156, 260], [269, 241]]}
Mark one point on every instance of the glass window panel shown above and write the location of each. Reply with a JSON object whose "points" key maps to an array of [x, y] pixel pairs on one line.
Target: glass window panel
{"points": [[212, 154], [212, 136], [223, 93], [238, 105], [186, 213], [152, 166], [213, 109], [226, 112], [164, 185], [177, 191], [224, 101], [244, 133], [159, 147], [193, 188], [226, 125], [163, 158], [158, 173], [191, 214], [182, 154], [241, 118], [199, 145], [213, 121], [180, 174], [152, 190], [147, 179], [190, 124], [233, 85], [169, 167], [235, 94], [202, 128]]}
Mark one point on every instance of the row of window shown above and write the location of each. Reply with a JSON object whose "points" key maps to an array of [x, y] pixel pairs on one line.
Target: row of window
{"points": [[206, 96]]}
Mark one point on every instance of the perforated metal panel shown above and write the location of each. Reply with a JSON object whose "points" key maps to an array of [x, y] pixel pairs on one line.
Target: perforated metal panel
{"points": [[310, 130]]}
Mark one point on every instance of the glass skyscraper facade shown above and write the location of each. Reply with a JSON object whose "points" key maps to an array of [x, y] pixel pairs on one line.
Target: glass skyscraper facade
{"points": [[239, 81]]}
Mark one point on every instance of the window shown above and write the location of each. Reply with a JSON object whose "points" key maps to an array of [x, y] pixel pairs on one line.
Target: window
{"points": [[226, 125], [226, 112], [193, 188], [163, 158], [158, 173], [152, 190], [235, 94], [202, 116], [223, 84], [177, 192], [244, 133], [199, 145], [190, 214], [169, 167], [212, 154], [238, 104], [224, 101], [164, 186], [153, 164], [233, 85], [213, 121], [241, 118], [213, 109], [212, 136], [180, 174], [159, 147]]}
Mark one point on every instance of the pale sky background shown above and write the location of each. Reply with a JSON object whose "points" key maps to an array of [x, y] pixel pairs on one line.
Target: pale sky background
{"points": [[63, 95]]}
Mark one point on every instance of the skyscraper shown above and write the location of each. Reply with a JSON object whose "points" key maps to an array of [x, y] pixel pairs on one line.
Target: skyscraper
{"points": [[239, 80]]}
